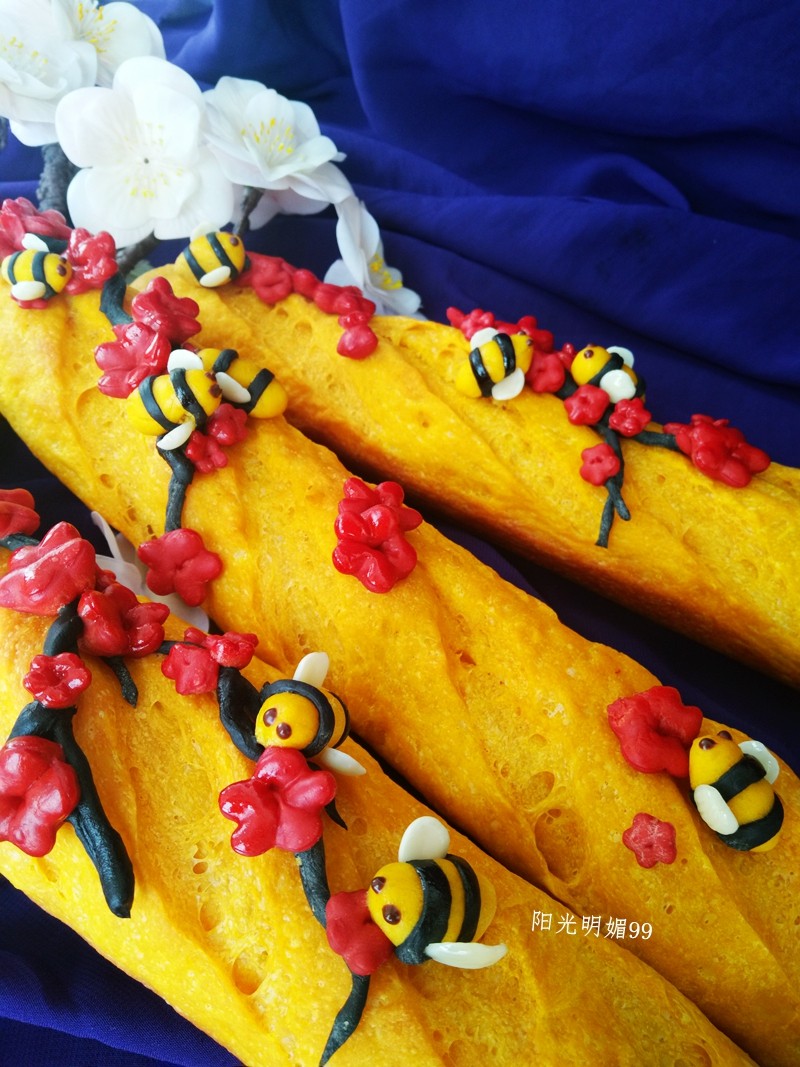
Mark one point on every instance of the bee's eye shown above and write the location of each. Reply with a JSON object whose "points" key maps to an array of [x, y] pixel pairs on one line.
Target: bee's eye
{"points": [[61, 269], [234, 242], [707, 742], [377, 884], [725, 734], [588, 353], [391, 914], [283, 730], [270, 715]]}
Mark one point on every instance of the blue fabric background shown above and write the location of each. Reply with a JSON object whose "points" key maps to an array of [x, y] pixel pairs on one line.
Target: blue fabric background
{"points": [[627, 172]]}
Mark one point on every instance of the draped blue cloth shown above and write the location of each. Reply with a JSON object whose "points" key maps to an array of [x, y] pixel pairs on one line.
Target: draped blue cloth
{"points": [[627, 173]]}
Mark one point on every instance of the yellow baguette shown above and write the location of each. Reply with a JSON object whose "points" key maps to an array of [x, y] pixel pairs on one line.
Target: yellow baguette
{"points": [[692, 555], [231, 943], [491, 708]]}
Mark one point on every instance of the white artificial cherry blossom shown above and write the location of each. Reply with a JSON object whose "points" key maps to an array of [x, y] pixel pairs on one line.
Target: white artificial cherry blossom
{"points": [[49, 48], [146, 165], [362, 262], [264, 141]]}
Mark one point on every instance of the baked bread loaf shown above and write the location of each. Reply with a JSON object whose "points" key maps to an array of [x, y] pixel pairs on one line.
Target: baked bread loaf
{"points": [[491, 708], [693, 555], [232, 944]]}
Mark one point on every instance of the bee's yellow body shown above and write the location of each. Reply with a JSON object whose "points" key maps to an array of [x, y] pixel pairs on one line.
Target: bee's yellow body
{"points": [[34, 274], [166, 401], [491, 362], [212, 259]]}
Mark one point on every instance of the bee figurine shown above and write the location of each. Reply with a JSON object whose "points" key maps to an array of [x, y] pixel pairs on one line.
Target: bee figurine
{"points": [[432, 905], [496, 366], [35, 274], [429, 904], [213, 258], [172, 405], [611, 369], [732, 789], [298, 713], [243, 383]]}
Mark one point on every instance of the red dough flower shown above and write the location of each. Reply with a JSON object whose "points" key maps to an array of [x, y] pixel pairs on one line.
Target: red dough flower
{"points": [[353, 935], [227, 426], [92, 257], [719, 450], [655, 730], [179, 563], [546, 373], [175, 317], [600, 462], [270, 276], [57, 681], [280, 806], [115, 623], [629, 417], [38, 790], [230, 649], [651, 840], [191, 668], [138, 352], [205, 453], [43, 578], [17, 514], [586, 406], [370, 526], [194, 666]]}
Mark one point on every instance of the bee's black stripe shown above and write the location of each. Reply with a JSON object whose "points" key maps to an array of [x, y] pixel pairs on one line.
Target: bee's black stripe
{"points": [[431, 926], [506, 346], [257, 388], [219, 251], [480, 372], [738, 777], [186, 398], [317, 698], [758, 831], [151, 405], [224, 360], [9, 266], [193, 265], [472, 899]]}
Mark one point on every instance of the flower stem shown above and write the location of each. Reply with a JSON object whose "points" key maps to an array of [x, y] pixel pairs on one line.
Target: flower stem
{"points": [[133, 254], [57, 173]]}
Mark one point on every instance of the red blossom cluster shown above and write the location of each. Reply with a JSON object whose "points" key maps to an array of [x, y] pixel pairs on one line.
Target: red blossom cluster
{"points": [[371, 527], [161, 322], [719, 450], [226, 427], [655, 730], [353, 934], [194, 665], [38, 791], [651, 840], [92, 257], [280, 806], [629, 417], [180, 563], [17, 513], [273, 279], [116, 623]]}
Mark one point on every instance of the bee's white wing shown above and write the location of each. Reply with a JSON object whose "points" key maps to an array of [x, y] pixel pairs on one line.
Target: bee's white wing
{"points": [[30, 290], [339, 762], [470, 955], [482, 337], [177, 436], [183, 359], [761, 753], [714, 811], [312, 668], [618, 385], [34, 243], [216, 277], [425, 839], [231, 389], [510, 386]]}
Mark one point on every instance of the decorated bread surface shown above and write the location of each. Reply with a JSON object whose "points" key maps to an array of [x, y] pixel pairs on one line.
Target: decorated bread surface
{"points": [[677, 521], [345, 923], [565, 760]]}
